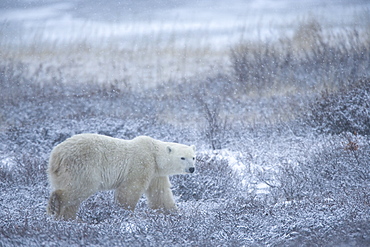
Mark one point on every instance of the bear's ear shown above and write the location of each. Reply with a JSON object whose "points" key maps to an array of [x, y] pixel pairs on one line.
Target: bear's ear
{"points": [[169, 150], [193, 147]]}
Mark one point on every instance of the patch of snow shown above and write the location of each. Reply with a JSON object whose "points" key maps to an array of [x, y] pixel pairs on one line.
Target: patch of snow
{"points": [[7, 163], [129, 227], [262, 188], [234, 158]]}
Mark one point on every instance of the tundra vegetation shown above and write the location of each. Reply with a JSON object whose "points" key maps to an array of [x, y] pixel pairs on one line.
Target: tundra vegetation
{"points": [[281, 128]]}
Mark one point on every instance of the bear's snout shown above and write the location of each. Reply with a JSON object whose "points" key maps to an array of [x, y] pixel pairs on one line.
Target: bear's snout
{"points": [[191, 169]]}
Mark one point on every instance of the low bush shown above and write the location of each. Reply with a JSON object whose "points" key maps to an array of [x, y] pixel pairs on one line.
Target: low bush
{"points": [[214, 179], [335, 170], [347, 110], [312, 60]]}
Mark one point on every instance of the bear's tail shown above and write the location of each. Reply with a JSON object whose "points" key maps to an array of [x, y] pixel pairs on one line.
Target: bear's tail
{"points": [[55, 201]]}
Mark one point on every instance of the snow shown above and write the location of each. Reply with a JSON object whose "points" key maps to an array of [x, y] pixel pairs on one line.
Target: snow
{"points": [[35, 15], [290, 167], [221, 22], [6, 163]]}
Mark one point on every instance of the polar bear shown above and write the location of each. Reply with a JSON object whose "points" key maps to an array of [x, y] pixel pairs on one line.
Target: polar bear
{"points": [[86, 163]]}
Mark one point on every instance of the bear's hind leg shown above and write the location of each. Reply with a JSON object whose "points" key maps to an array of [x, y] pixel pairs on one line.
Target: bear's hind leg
{"points": [[69, 212], [55, 199], [64, 205], [159, 194]]}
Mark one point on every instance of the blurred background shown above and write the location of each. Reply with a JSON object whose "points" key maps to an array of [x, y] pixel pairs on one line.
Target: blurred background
{"points": [[220, 21]]}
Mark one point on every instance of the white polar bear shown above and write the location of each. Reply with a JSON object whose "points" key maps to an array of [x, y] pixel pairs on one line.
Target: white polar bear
{"points": [[86, 163]]}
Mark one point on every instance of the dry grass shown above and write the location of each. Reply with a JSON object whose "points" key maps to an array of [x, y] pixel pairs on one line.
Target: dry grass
{"points": [[140, 62], [311, 61]]}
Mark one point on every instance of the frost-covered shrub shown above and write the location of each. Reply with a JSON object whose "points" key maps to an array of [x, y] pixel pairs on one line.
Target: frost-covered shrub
{"points": [[22, 159], [337, 170], [213, 178], [345, 111], [24, 169], [215, 127], [309, 60]]}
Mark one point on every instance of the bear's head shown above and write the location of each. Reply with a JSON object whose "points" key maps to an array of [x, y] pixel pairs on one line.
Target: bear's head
{"points": [[176, 159]]}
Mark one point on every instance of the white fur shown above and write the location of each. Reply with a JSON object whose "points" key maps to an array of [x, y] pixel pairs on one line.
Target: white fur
{"points": [[87, 163]]}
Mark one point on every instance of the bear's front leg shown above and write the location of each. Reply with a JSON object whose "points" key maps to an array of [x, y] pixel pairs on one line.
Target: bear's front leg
{"points": [[159, 194], [129, 193]]}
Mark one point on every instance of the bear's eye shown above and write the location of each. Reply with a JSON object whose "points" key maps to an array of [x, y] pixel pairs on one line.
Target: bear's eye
{"points": [[193, 158], [182, 158]]}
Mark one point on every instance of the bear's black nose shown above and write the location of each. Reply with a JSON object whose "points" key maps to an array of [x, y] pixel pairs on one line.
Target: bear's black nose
{"points": [[191, 169]]}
